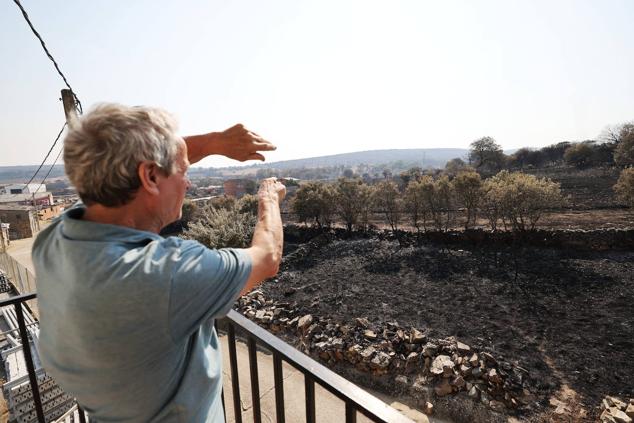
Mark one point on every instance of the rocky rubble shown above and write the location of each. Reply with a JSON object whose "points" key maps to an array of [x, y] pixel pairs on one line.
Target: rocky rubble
{"points": [[407, 354], [615, 410]]}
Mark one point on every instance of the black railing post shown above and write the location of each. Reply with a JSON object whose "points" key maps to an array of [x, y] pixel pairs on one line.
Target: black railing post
{"points": [[222, 388], [279, 387], [26, 349], [82, 415], [309, 388], [351, 412], [235, 383], [255, 382]]}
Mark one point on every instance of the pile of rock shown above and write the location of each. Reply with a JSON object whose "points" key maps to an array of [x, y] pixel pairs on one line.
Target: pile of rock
{"points": [[615, 410], [447, 365]]}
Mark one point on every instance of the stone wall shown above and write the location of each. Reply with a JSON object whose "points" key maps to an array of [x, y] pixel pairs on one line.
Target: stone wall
{"points": [[574, 239], [23, 222]]}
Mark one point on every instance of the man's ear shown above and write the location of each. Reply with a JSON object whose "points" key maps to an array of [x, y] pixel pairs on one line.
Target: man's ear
{"points": [[149, 177]]}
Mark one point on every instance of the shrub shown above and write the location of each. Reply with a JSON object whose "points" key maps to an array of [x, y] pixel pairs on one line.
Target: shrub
{"points": [[248, 204], [414, 204], [222, 227], [353, 199], [315, 201], [624, 153], [468, 189], [519, 199], [438, 200], [387, 199], [624, 187], [579, 155]]}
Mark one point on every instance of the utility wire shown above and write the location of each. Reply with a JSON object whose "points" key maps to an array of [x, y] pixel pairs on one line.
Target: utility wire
{"points": [[50, 169], [48, 53], [59, 71], [46, 157]]}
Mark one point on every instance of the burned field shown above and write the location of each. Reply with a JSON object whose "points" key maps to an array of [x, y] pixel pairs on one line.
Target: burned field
{"points": [[566, 317]]}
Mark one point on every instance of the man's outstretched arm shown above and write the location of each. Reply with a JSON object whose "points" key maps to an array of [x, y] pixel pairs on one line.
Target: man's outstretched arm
{"points": [[237, 143], [268, 237]]}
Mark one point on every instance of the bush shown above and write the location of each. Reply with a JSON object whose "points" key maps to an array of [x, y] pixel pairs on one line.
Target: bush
{"points": [[222, 227], [415, 205], [519, 199], [579, 155], [248, 204], [624, 187], [624, 153], [387, 198], [438, 201], [468, 189], [315, 201], [353, 199]]}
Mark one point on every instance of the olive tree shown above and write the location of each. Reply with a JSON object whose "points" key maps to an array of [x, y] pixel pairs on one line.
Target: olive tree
{"points": [[387, 199], [352, 198], [468, 189], [486, 155], [520, 199], [439, 200], [315, 201], [579, 155], [414, 204], [624, 187], [624, 152]]}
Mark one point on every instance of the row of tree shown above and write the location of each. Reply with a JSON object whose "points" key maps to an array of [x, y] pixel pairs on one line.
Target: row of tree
{"points": [[514, 199], [615, 147]]}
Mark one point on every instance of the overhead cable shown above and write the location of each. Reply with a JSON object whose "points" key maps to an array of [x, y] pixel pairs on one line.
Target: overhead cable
{"points": [[48, 53]]}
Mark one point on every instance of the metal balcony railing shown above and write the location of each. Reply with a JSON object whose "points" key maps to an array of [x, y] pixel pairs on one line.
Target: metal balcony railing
{"points": [[356, 400]]}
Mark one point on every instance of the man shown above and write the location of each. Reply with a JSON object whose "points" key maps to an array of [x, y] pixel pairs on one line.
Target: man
{"points": [[127, 315]]}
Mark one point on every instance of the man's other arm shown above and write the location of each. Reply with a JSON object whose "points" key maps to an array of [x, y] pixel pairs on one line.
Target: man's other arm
{"points": [[268, 237]]}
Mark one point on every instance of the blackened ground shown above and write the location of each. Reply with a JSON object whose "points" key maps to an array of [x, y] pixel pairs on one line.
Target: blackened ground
{"points": [[567, 317]]}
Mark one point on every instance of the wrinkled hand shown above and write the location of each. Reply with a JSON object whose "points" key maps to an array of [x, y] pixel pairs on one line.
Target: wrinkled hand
{"points": [[272, 188], [240, 144]]}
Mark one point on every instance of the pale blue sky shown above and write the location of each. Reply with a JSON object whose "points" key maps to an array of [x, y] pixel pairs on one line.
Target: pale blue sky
{"points": [[325, 77]]}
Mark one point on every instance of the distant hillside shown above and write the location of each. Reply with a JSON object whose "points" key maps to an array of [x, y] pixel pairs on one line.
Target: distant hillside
{"points": [[434, 157], [21, 174]]}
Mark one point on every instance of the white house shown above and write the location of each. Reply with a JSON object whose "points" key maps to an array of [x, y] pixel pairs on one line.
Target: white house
{"points": [[24, 189]]}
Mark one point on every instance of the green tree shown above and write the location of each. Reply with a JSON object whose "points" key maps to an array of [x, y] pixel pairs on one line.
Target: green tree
{"points": [[579, 155], [411, 174], [624, 152], [453, 166], [438, 200], [624, 187], [352, 199], [387, 199], [415, 205], [315, 201], [520, 199], [468, 189], [486, 155]]}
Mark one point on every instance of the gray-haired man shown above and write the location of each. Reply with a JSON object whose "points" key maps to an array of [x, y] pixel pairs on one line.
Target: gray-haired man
{"points": [[127, 315]]}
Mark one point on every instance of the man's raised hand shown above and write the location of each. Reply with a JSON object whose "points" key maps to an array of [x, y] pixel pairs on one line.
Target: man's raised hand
{"points": [[240, 144]]}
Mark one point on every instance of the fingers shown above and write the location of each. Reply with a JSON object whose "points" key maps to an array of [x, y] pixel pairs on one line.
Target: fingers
{"points": [[264, 146], [255, 156]]}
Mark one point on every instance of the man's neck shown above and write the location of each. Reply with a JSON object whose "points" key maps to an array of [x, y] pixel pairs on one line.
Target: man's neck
{"points": [[129, 215]]}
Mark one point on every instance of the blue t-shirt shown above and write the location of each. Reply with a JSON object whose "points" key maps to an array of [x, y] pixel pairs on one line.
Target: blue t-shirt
{"points": [[126, 319]]}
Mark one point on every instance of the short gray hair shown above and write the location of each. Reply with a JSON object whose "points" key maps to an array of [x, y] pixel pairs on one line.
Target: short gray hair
{"points": [[103, 151]]}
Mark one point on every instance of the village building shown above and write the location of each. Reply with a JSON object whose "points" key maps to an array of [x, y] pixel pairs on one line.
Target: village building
{"points": [[235, 187], [23, 220]]}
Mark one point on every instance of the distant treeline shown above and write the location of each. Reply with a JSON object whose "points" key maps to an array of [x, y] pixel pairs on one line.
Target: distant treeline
{"points": [[24, 173]]}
